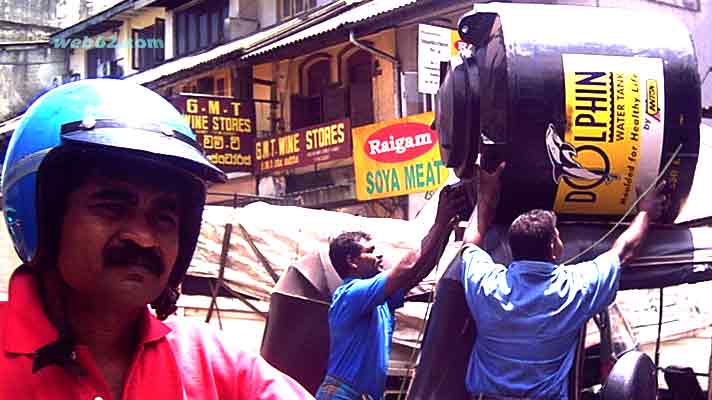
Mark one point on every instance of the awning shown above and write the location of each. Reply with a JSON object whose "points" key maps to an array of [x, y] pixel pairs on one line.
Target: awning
{"points": [[212, 55], [363, 12]]}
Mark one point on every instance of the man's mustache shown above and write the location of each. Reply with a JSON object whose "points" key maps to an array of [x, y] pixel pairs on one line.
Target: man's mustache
{"points": [[128, 252]]}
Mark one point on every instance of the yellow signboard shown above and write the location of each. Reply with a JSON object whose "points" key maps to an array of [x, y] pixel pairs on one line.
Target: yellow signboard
{"points": [[397, 157], [614, 132]]}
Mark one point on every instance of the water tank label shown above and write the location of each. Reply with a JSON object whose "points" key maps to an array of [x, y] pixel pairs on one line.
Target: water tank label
{"points": [[614, 132]]}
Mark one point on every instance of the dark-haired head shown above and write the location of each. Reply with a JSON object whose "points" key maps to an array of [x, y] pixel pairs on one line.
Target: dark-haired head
{"points": [[346, 249], [533, 236]]}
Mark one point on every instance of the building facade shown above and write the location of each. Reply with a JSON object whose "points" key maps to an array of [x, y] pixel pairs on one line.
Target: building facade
{"points": [[302, 64]]}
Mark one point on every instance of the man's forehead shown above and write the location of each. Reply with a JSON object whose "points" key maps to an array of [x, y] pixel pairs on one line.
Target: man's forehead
{"points": [[137, 173], [96, 183], [366, 243]]}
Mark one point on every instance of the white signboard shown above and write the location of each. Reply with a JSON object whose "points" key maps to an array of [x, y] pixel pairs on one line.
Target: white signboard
{"points": [[433, 47]]}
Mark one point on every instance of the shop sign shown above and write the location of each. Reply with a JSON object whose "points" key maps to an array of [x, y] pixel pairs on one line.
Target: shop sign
{"points": [[225, 129], [614, 132], [397, 157], [307, 146]]}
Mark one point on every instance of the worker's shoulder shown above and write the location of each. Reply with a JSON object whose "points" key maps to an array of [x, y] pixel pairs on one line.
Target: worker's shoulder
{"points": [[608, 258], [471, 253]]}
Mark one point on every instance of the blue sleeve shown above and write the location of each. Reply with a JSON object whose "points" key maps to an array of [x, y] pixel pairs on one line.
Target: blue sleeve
{"points": [[360, 296], [397, 299], [476, 264], [597, 282]]}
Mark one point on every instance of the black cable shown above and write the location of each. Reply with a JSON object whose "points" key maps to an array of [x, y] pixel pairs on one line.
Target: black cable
{"points": [[660, 328]]}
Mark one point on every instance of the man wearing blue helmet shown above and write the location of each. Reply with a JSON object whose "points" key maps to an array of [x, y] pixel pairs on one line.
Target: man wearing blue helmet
{"points": [[104, 187]]}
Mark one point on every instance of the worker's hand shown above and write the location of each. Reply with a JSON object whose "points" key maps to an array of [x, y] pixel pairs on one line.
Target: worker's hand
{"points": [[489, 185], [655, 202], [452, 204]]}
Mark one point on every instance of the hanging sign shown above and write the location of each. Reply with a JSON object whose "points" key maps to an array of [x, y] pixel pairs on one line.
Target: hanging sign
{"points": [[225, 129], [435, 45], [397, 157], [307, 146]]}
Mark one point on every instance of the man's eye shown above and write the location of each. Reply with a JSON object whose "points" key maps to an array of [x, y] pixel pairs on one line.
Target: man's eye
{"points": [[111, 208], [167, 219]]}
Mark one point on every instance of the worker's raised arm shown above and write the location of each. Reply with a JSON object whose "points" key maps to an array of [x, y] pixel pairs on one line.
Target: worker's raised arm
{"points": [[651, 207], [488, 189], [417, 264]]}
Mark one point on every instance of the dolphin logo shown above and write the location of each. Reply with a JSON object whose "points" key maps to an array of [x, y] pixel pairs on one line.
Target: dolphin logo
{"points": [[563, 160]]}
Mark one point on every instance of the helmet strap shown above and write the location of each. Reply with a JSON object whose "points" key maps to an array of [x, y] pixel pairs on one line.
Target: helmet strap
{"points": [[61, 352], [165, 303]]}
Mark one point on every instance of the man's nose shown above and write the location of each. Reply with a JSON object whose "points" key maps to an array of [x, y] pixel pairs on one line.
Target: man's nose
{"points": [[138, 229]]}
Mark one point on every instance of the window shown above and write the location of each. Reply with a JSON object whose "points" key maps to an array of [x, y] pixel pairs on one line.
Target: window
{"points": [[206, 85], [320, 100], [220, 90], [101, 63], [360, 74], [216, 83], [148, 46], [181, 27], [291, 8], [204, 31], [318, 77], [201, 26]]}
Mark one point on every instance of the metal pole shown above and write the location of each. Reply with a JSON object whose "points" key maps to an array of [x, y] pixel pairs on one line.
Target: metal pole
{"points": [[385, 56]]}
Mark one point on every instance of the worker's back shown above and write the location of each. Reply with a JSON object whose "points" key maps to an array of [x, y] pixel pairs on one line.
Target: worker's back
{"points": [[528, 317]]}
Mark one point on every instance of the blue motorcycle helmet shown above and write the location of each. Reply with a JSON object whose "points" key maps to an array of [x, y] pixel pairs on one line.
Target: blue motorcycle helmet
{"points": [[97, 120]]}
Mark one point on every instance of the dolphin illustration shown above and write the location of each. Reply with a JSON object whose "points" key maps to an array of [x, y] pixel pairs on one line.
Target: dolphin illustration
{"points": [[563, 160]]}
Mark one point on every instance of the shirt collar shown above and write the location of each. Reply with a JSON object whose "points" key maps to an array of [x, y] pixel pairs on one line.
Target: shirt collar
{"points": [[28, 328], [535, 267]]}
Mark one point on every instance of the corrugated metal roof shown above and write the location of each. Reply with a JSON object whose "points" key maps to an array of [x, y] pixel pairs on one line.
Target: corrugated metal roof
{"points": [[360, 13], [181, 64]]}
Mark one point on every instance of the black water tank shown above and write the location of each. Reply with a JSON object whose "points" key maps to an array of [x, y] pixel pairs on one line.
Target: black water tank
{"points": [[583, 103]]}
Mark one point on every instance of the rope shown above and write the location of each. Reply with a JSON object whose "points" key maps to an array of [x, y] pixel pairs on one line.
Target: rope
{"points": [[631, 208]]}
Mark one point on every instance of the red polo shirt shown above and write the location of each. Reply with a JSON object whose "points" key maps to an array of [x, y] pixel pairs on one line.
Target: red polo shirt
{"points": [[174, 360]]}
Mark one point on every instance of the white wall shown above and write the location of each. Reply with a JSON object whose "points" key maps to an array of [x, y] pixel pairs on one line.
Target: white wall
{"points": [[267, 12], [699, 23]]}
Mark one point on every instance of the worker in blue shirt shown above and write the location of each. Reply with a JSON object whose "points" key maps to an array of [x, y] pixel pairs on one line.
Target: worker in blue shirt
{"points": [[529, 314], [361, 314]]}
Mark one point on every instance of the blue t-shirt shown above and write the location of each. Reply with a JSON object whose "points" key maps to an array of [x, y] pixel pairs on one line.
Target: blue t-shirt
{"points": [[361, 326], [528, 318]]}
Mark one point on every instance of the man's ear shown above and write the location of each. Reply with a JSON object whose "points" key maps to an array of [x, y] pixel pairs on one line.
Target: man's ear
{"points": [[556, 250], [350, 261]]}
